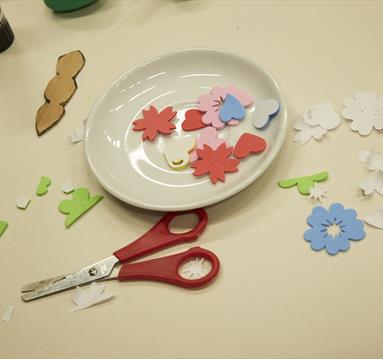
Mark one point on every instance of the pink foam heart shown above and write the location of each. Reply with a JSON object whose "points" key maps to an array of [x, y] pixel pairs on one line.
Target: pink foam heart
{"points": [[249, 144]]}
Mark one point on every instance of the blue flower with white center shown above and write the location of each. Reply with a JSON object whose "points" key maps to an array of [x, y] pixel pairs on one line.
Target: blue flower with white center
{"points": [[333, 228]]}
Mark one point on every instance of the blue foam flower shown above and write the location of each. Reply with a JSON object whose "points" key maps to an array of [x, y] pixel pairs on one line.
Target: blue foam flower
{"points": [[333, 228]]}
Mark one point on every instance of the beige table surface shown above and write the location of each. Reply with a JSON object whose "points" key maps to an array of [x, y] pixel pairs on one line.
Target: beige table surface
{"points": [[275, 297]]}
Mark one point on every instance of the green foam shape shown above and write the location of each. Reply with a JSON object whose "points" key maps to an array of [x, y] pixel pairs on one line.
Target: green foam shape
{"points": [[3, 227], [76, 207], [44, 183], [67, 5], [304, 183]]}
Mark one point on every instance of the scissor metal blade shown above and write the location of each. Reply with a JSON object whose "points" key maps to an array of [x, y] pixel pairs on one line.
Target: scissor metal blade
{"points": [[57, 284], [41, 283]]}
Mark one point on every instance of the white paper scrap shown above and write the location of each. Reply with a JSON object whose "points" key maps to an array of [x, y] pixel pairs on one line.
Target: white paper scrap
{"points": [[77, 134], [88, 296], [67, 187], [8, 314], [22, 202]]}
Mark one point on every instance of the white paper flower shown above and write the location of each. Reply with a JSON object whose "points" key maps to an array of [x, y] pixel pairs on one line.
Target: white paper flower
{"points": [[376, 219], [317, 193], [306, 132], [365, 109], [322, 115], [374, 163], [373, 159], [315, 122], [373, 183]]}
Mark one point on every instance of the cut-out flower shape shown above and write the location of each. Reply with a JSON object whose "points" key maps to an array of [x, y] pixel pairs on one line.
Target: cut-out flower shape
{"points": [[315, 122], [317, 193], [211, 104], [76, 207], [332, 229], [376, 219], [374, 163], [373, 160], [373, 183], [155, 122], [215, 162], [365, 110]]}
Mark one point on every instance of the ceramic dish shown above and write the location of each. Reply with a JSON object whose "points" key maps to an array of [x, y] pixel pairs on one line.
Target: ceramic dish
{"points": [[136, 171]]}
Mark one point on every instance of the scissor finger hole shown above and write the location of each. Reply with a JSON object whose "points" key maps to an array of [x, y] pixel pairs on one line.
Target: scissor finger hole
{"points": [[183, 223], [195, 268]]}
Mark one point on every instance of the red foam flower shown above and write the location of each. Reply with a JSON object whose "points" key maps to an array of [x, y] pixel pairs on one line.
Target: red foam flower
{"points": [[215, 162], [155, 122]]}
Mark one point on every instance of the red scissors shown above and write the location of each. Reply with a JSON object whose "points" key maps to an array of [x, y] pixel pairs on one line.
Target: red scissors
{"points": [[165, 269]]}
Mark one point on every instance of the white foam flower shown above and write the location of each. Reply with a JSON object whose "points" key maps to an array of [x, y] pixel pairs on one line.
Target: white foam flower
{"points": [[365, 110]]}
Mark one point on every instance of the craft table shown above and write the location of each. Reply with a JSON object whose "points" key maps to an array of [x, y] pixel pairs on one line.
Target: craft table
{"points": [[275, 297]]}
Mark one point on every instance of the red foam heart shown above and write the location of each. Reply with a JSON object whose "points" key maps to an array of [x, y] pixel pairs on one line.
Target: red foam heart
{"points": [[249, 144], [193, 120]]}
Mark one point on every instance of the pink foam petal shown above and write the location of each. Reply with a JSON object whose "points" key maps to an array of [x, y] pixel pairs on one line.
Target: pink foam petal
{"points": [[219, 93], [206, 102], [233, 122], [244, 98], [216, 122], [211, 117]]}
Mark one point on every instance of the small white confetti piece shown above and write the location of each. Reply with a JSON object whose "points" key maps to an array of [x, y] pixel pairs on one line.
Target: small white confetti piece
{"points": [[22, 202], [8, 314], [77, 134], [67, 187], [317, 193]]}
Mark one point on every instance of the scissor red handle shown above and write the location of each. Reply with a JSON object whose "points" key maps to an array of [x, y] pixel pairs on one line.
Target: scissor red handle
{"points": [[166, 269], [159, 236]]}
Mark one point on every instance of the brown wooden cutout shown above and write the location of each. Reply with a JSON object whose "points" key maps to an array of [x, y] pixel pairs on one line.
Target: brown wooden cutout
{"points": [[59, 90]]}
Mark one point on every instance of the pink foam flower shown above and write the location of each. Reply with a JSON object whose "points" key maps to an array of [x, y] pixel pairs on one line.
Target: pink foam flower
{"points": [[211, 104]]}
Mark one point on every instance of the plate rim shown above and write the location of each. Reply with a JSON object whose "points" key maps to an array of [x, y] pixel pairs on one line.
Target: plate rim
{"points": [[210, 200]]}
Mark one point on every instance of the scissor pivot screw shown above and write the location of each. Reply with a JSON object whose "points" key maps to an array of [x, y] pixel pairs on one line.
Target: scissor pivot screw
{"points": [[92, 272]]}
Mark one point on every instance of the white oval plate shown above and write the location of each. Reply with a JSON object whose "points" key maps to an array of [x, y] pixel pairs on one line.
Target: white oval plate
{"points": [[135, 171]]}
